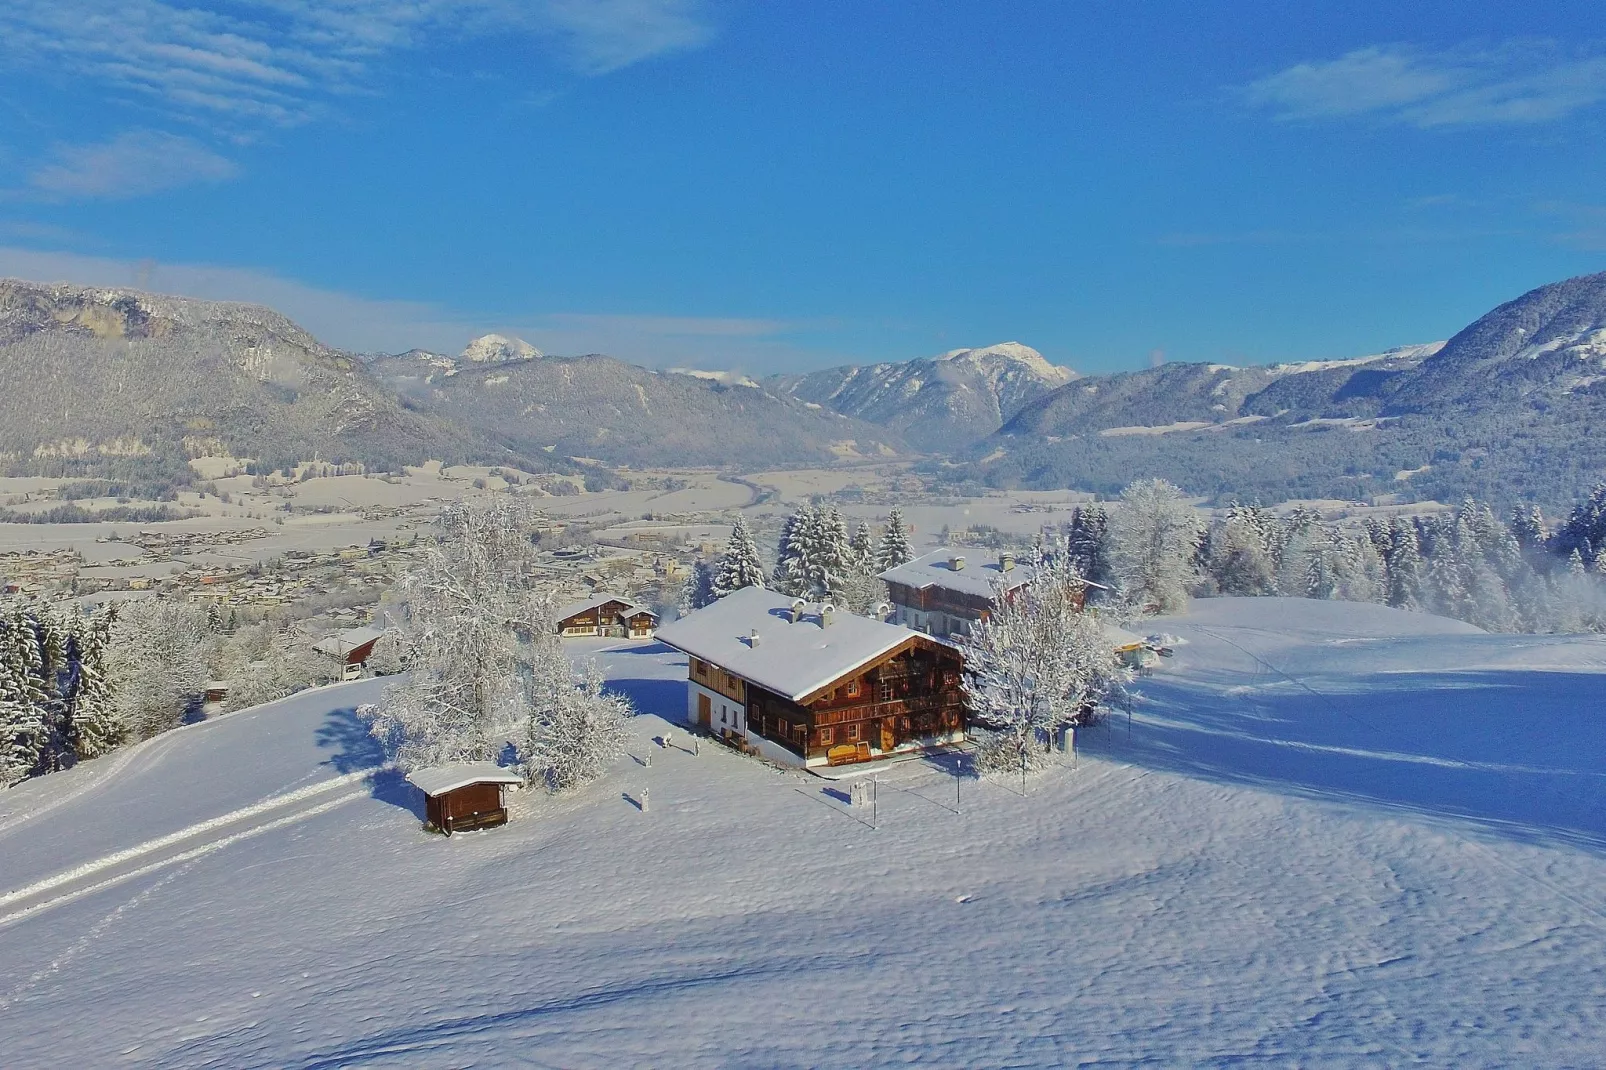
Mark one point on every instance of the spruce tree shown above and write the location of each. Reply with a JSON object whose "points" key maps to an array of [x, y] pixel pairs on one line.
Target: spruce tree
{"points": [[862, 547], [22, 716], [740, 566], [97, 727], [787, 577], [894, 548]]}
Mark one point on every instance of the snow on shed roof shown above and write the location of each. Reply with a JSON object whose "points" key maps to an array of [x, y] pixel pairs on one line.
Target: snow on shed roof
{"points": [[790, 659], [631, 608], [439, 779], [936, 569]]}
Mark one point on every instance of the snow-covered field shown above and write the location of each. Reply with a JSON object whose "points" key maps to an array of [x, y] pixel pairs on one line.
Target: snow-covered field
{"points": [[1333, 834]]}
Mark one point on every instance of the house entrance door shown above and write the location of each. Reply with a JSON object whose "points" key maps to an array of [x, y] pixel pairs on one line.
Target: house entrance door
{"points": [[889, 738], [705, 711]]}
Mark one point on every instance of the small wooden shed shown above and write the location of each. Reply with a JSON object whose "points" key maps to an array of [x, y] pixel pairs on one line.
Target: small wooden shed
{"points": [[464, 795]]}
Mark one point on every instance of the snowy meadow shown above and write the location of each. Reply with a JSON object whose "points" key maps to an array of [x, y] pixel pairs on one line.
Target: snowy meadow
{"points": [[1332, 834]]}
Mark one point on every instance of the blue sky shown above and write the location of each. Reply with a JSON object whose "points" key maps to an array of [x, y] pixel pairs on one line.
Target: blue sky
{"points": [[782, 185]]}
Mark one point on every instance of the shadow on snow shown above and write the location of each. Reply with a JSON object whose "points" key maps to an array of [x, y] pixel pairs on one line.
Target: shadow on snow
{"points": [[1517, 752], [356, 750]]}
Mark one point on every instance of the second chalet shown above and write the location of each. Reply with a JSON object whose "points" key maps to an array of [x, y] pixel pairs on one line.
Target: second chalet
{"points": [[810, 685], [943, 592]]}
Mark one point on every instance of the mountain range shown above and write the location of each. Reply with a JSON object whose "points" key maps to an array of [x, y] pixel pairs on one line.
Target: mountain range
{"points": [[959, 396], [1508, 409]]}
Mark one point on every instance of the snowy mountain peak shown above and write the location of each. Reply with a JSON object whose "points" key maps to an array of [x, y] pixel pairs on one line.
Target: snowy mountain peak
{"points": [[1008, 356], [496, 348]]}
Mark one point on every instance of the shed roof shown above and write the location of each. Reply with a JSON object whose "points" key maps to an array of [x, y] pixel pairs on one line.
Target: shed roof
{"points": [[790, 659], [439, 779], [631, 608]]}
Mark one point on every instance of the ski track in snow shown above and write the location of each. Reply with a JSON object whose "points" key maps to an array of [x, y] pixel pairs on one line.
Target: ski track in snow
{"points": [[88, 878]]}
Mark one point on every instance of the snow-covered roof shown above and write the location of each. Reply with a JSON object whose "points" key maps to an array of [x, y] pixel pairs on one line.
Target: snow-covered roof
{"points": [[342, 643], [631, 608], [936, 569], [790, 659], [439, 779]]}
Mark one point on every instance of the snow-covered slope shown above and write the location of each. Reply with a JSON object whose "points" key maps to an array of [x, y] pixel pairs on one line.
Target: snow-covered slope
{"points": [[938, 404], [1333, 834]]}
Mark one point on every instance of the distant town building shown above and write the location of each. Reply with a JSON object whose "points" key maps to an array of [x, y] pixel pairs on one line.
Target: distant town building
{"points": [[607, 615], [810, 685]]}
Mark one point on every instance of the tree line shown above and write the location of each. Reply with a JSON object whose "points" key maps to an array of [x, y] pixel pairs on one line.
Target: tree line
{"points": [[77, 684]]}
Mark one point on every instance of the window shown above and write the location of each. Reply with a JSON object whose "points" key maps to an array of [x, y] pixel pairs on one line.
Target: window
{"points": [[853, 732], [886, 691], [825, 737], [853, 689]]}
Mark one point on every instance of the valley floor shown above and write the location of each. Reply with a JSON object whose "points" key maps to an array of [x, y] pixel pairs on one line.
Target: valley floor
{"points": [[1332, 834]]}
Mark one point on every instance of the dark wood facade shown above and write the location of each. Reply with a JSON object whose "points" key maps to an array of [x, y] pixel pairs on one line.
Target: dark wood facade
{"points": [[910, 696], [613, 617], [473, 806]]}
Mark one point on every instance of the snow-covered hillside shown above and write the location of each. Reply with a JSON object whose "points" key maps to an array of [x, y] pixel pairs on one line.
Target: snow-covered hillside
{"points": [[1332, 833]]}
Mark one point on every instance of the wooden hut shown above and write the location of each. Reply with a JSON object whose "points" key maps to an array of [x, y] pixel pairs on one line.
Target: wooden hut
{"points": [[463, 795]]}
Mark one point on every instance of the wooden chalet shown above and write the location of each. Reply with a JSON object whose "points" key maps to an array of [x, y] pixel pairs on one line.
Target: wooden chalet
{"points": [[810, 685], [463, 795], [607, 615], [351, 648], [943, 592]]}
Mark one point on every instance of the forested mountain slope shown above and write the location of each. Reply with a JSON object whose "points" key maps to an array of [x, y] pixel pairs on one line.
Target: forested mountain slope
{"points": [[936, 404], [1508, 410], [598, 407], [96, 380]]}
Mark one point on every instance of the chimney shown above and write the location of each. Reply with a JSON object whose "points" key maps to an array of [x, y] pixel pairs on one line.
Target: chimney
{"points": [[752, 640], [826, 610], [1006, 561], [797, 610], [957, 562]]}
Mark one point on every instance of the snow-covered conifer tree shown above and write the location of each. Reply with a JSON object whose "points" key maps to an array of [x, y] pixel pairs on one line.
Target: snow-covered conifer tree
{"points": [[740, 566], [788, 576], [1402, 566], [1241, 559], [97, 724], [1152, 540], [893, 549], [698, 589], [22, 719], [862, 548], [1087, 541], [1528, 528]]}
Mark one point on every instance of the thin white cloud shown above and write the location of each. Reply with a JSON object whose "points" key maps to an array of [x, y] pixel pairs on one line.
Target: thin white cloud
{"points": [[278, 61], [132, 164], [1517, 83]]}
